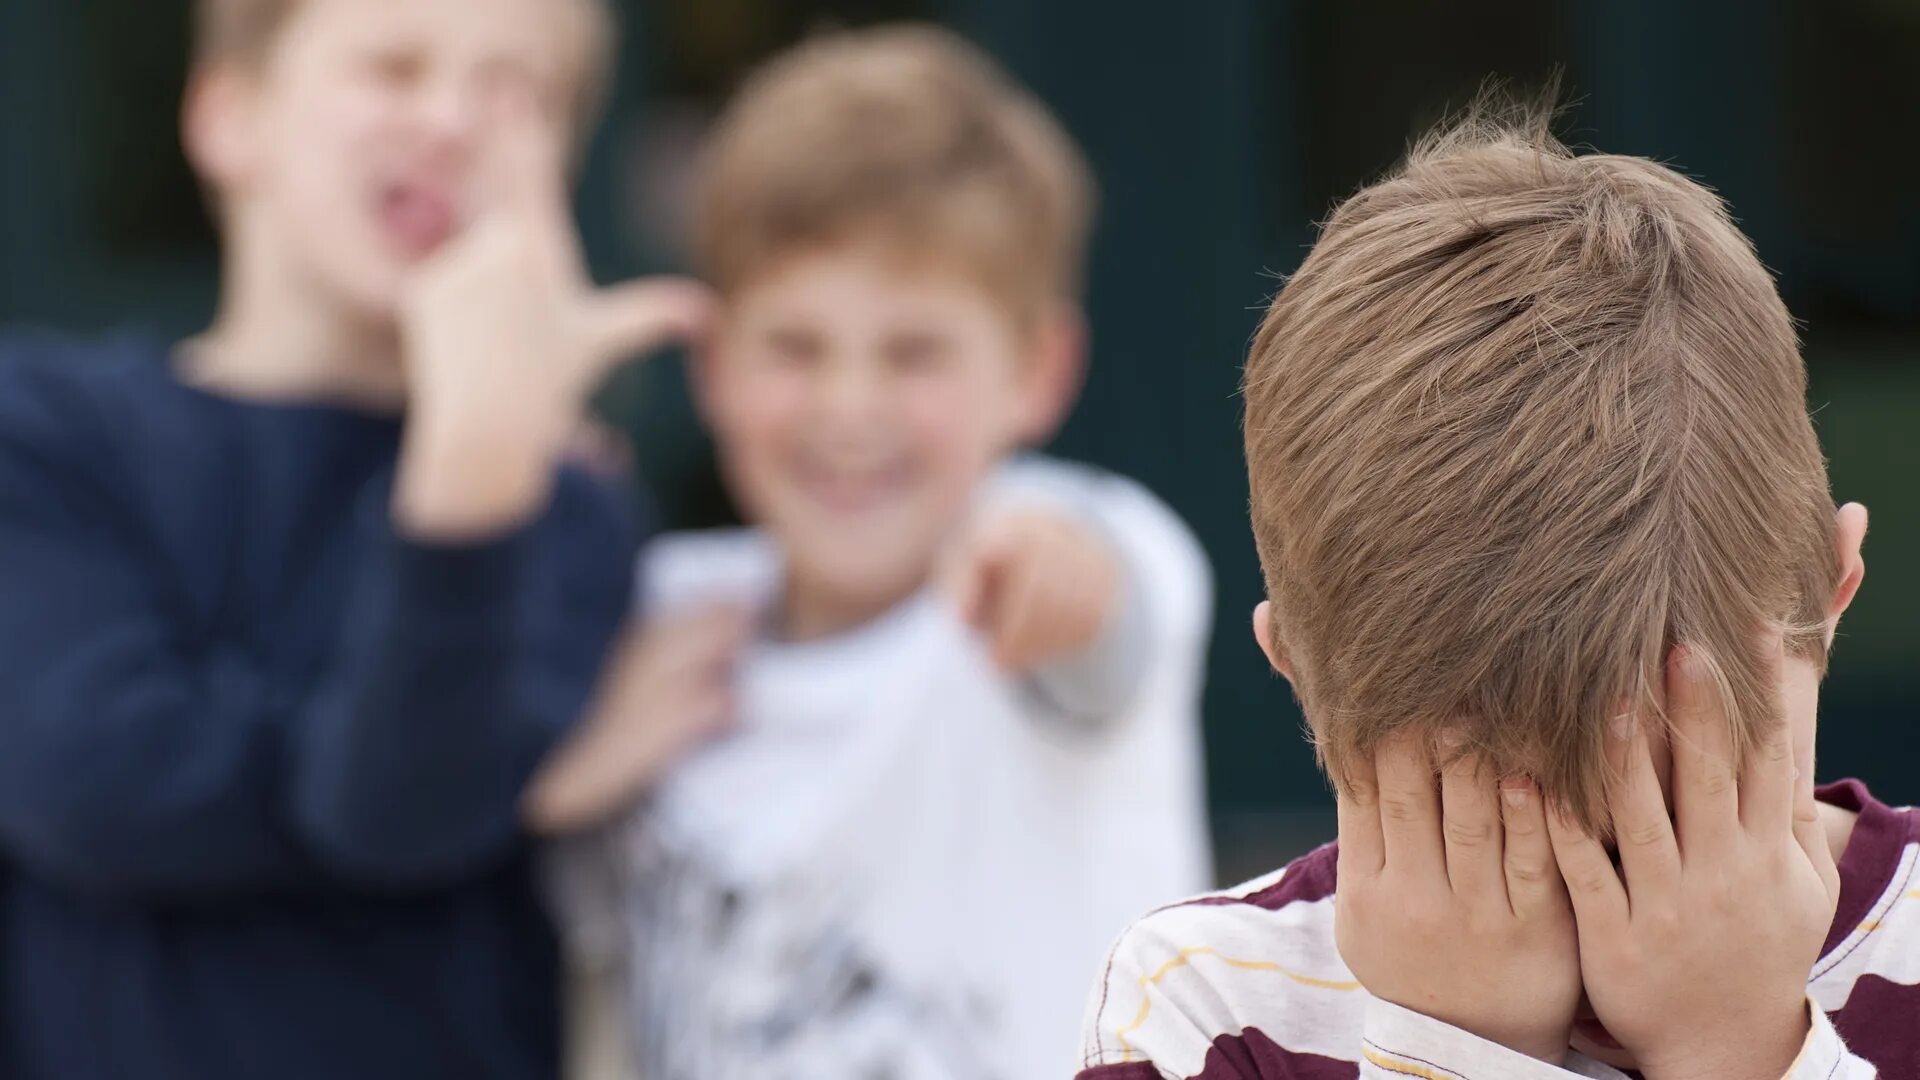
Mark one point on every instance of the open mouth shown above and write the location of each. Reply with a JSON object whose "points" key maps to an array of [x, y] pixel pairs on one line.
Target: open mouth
{"points": [[416, 218]]}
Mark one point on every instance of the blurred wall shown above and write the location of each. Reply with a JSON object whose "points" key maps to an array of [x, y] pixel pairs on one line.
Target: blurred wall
{"points": [[1220, 132]]}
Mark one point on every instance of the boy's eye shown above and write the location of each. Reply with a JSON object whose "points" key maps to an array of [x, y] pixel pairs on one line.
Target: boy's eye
{"points": [[397, 68], [501, 77], [794, 347], [917, 352]]}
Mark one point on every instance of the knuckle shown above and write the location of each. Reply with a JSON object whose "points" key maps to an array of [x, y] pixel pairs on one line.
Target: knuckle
{"points": [[1423, 918], [1363, 794], [1663, 924], [1588, 882], [1521, 825], [1399, 807], [1716, 780], [1645, 834], [1527, 871], [1469, 834]]}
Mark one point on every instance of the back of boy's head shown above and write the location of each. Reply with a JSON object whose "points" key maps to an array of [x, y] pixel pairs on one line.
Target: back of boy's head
{"points": [[1522, 421], [905, 135]]}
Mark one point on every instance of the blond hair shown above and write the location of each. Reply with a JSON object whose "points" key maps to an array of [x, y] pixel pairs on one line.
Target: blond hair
{"points": [[1522, 421], [906, 134], [244, 32]]}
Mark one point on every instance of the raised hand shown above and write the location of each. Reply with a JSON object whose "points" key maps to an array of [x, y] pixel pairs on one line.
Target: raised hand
{"points": [[1696, 952], [1038, 585], [505, 338], [1449, 903], [667, 687]]}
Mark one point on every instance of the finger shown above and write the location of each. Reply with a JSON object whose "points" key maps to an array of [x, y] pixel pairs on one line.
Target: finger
{"points": [[524, 187], [1098, 596], [713, 712], [1019, 636], [1808, 830], [1599, 901], [523, 167], [996, 551], [601, 449], [966, 582], [1074, 602], [647, 314], [1410, 808], [973, 571], [1811, 836], [1470, 822], [1767, 780], [1532, 878], [705, 639], [1649, 854], [1357, 801], [1706, 800]]}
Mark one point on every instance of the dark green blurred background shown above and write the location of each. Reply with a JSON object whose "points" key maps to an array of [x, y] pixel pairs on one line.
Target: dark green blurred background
{"points": [[1221, 130]]}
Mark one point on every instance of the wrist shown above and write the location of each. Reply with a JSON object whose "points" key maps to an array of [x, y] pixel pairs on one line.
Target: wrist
{"points": [[1749, 1049], [1545, 1045], [462, 478], [1429, 1037]]}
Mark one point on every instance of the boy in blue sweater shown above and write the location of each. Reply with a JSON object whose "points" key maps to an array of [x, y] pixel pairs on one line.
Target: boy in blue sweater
{"points": [[294, 609]]}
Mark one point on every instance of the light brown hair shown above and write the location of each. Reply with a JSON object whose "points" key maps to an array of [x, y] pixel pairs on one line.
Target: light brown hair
{"points": [[906, 134], [244, 32], [1523, 420]]}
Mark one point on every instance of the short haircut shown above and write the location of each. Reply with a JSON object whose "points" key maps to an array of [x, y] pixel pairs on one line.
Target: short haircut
{"points": [[903, 134], [1522, 421], [244, 32]]}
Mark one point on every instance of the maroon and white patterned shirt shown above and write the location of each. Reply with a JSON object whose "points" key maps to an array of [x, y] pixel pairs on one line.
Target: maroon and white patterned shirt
{"points": [[1248, 985]]}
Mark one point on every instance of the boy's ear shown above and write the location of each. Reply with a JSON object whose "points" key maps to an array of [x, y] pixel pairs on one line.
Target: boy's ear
{"points": [[216, 126], [1263, 633], [1058, 371], [1849, 533]]}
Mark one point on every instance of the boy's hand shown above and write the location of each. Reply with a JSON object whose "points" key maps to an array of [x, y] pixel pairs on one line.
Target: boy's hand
{"points": [[1696, 953], [1038, 585], [667, 687], [505, 338], [1449, 903]]}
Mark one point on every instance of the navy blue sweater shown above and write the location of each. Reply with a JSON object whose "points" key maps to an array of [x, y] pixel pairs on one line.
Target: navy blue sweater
{"points": [[259, 754]]}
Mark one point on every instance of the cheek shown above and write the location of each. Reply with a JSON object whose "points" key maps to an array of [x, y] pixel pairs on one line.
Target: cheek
{"points": [[327, 145], [965, 418], [756, 415]]}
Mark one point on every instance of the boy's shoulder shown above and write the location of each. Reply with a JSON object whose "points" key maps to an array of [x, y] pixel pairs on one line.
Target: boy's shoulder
{"points": [[1868, 974], [1251, 971], [43, 370], [64, 400]]}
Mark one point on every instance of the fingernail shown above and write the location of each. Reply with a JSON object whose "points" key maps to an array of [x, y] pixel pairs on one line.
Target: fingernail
{"points": [[1622, 726], [1516, 797]]}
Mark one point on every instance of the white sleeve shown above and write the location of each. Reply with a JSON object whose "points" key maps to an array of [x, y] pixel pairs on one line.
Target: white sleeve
{"points": [[1399, 1042], [1824, 1057], [1167, 583]]}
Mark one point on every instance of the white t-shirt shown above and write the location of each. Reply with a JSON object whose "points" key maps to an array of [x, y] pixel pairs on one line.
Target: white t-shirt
{"points": [[904, 864]]}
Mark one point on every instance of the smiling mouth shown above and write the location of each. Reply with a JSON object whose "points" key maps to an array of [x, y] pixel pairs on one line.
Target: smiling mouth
{"points": [[851, 491]]}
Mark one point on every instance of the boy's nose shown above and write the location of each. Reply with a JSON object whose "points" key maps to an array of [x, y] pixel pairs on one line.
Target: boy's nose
{"points": [[851, 393], [451, 112]]}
